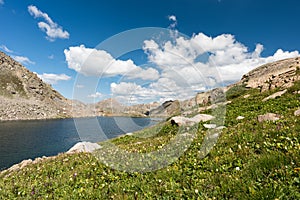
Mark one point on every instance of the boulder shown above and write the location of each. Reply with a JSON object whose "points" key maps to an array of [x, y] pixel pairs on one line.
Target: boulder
{"points": [[24, 163], [268, 117], [210, 126], [273, 96], [220, 127], [87, 147], [240, 117], [184, 121], [297, 112]]}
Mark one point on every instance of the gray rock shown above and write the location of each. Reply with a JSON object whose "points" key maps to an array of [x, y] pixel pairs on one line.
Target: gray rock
{"points": [[184, 121], [24, 163], [268, 117], [297, 112], [87, 147], [220, 127], [240, 118], [273, 96], [210, 126]]}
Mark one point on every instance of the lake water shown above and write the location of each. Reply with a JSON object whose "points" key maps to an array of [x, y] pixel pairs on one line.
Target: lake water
{"points": [[21, 140]]}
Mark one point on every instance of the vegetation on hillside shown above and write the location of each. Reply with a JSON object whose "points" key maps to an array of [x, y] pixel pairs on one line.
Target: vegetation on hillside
{"points": [[251, 160], [10, 85]]}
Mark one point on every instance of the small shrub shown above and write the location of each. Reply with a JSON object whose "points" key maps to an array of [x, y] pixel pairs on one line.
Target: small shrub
{"points": [[295, 87], [236, 91]]}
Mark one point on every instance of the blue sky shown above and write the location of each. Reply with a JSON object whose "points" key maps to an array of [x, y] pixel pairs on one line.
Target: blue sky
{"points": [[235, 36]]}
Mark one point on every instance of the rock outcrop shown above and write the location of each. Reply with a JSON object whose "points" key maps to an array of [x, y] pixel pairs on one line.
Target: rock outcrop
{"points": [[275, 95], [297, 112], [185, 121], [25, 96], [168, 108], [86, 147], [281, 73], [268, 117]]}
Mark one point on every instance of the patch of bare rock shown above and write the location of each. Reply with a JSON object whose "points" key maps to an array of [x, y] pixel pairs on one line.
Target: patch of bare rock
{"points": [[86, 147], [275, 95], [297, 112], [185, 121], [268, 117]]}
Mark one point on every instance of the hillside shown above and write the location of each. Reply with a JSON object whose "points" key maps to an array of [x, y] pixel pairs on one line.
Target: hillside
{"points": [[25, 96], [256, 155]]}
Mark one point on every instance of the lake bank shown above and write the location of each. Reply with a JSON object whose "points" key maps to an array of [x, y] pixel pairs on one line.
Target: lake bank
{"points": [[29, 139]]}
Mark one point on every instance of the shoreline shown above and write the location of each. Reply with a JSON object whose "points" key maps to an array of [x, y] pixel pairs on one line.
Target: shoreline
{"points": [[39, 158], [74, 117]]}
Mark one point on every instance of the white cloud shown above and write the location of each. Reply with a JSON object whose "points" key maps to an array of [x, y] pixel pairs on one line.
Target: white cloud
{"points": [[173, 20], [53, 78], [6, 49], [79, 86], [161, 90], [95, 95], [183, 66], [1, 2], [227, 59], [93, 62], [24, 60], [52, 29]]}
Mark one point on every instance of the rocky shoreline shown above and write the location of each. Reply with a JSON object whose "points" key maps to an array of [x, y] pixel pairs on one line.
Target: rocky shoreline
{"points": [[80, 147]]}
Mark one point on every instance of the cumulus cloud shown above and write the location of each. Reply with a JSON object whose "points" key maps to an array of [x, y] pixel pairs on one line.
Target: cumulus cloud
{"points": [[130, 93], [6, 49], [180, 67], [24, 60], [93, 62], [79, 86], [173, 20], [227, 59], [52, 29], [53, 78], [95, 95], [160, 91]]}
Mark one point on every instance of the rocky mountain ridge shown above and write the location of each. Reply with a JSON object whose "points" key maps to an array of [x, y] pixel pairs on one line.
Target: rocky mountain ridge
{"points": [[23, 95]]}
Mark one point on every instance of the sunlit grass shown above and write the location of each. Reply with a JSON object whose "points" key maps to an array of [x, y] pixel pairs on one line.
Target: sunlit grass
{"points": [[251, 160]]}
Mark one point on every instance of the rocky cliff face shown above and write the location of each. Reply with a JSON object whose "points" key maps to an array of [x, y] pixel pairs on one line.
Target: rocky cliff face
{"points": [[23, 95], [282, 73]]}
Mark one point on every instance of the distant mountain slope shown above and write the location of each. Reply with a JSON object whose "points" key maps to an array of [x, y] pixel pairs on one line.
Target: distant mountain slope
{"points": [[111, 107], [24, 95]]}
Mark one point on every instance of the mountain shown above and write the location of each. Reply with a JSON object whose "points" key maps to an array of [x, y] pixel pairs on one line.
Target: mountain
{"points": [[25, 96], [112, 107], [252, 154], [282, 73], [279, 74]]}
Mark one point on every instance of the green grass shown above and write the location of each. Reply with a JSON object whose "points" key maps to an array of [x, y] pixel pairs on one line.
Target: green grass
{"points": [[251, 160], [236, 91], [7, 79]]}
